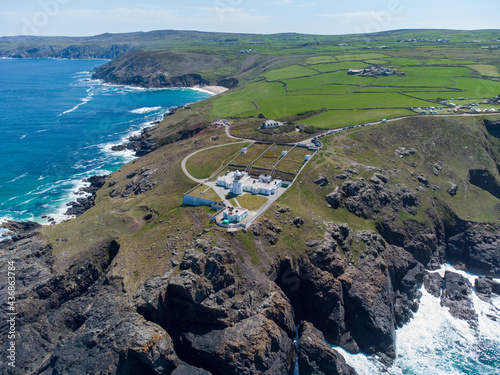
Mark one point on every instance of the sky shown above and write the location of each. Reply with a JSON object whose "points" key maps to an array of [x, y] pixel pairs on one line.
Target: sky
{"points": [[93, 17]]}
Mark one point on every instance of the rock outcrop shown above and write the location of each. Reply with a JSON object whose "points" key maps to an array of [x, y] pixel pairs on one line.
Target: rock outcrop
{"points": [[457, 296], [142, 144], [315, 357], [215, 323], [368, 199]]}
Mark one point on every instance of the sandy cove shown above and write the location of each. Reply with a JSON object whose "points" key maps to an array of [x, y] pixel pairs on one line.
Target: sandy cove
{"points": [[216, 90]]}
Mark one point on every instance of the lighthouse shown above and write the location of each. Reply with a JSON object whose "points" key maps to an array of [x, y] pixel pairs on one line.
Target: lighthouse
{"points": [[237, 188]]}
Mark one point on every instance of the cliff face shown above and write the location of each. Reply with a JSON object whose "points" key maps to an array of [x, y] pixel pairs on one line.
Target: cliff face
{"points": [[211, 313], [86, 51], [167, 69]]}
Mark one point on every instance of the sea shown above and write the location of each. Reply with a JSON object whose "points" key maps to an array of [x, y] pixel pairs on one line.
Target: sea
{"points": [[57, 127]]}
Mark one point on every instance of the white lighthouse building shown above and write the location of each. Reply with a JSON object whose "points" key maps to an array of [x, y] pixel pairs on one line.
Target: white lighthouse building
{"points": [[237, 186]]}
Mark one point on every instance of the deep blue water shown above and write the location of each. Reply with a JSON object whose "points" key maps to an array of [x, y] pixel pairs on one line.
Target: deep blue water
{"points": [[57, 127]]}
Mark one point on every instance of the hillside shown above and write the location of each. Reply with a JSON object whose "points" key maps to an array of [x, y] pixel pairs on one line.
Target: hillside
{"points": [[141, 283]]}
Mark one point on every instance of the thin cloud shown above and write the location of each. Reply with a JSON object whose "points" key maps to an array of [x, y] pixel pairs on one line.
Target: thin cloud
{"points": [[366, 14]]}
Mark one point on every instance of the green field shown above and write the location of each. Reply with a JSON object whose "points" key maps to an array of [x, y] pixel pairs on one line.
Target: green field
{"points": [[474, 88], [289, 72], [241, 101], [360, 57], [432, 76], [205, 192], [319, 60], [289, 105], [340, 77], [203, 164], [403, 89], [294, 160], [486, 70], [317, 80], [338, 66], [252, 153], [325, 90], [251, 202], [271, 157], [339, 119], [403, 61]]}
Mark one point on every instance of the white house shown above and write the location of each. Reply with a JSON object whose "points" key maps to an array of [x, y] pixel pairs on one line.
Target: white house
{"points": [[270, 124], [240, 182], [234, 215]]}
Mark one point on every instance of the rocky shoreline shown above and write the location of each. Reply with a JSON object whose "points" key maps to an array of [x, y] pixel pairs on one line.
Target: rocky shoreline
{"points": [[80, 205], [142, 144]]}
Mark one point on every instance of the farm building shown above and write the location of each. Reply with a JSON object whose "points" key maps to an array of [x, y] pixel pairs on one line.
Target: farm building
{"points": [[270, 124]]}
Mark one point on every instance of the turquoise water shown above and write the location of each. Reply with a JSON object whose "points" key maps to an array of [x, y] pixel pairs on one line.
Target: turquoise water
{"points": [[58, 126]]}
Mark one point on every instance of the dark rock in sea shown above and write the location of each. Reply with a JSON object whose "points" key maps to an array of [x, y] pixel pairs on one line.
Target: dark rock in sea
{"points": [[142, 144], [253, 346], [316, 357], [484, 287], [478, 248], [457, 295], [18, 230], [433, 283]]}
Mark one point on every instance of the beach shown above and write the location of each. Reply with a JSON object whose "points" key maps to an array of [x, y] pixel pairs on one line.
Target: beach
{"points": [[216, 90]]}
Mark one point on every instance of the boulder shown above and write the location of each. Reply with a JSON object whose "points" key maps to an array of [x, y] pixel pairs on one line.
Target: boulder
{"points": [[433, 283], [315, 357], [252, 346], [334, 199], [453, 189], [457, 295], [322, 181]]}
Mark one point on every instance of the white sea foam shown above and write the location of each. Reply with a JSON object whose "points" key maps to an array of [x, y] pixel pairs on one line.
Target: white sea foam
{"points": [[363, 364], [19, 177], [38, 131], [436, 343], [83, 102], [145, 110]]}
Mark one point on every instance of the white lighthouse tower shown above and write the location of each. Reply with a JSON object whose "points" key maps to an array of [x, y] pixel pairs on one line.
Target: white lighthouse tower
{"points": [[237, 188]]}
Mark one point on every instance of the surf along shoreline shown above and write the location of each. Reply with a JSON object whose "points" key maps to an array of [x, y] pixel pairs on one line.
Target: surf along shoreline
{"points": [[141, 144], [134, 144]]}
